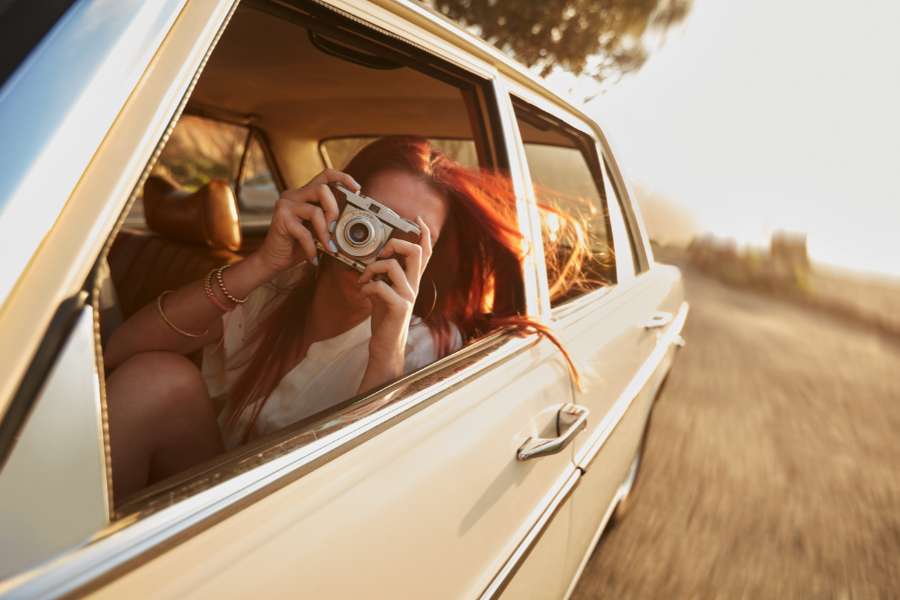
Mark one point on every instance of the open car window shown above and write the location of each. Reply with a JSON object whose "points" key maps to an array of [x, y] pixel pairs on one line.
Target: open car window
{"points": [[260, 75], [569, 188]]}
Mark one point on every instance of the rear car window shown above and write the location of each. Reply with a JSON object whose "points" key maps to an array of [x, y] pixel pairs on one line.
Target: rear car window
{"points": [[567, 181], [202, 149]]}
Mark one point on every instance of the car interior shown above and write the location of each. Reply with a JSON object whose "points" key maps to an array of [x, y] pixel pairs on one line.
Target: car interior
{"points": [[287, 92]]}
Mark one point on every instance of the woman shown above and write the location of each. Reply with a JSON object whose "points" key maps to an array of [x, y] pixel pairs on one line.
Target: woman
{"points": [[283, 341]]}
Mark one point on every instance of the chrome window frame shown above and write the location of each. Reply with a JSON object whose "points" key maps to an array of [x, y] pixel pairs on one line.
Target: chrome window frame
{"points": [[631, 213], [593, 134]]}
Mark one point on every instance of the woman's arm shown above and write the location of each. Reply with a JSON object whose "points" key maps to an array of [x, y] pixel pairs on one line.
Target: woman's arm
{"points": [[288, 242], [189, 309], [393, 297]]}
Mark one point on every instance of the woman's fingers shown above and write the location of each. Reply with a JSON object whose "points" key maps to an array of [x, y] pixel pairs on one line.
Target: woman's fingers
{"points": [[412, 258], [333, 175], [386, 294], [314, 216], [327, 201], [302, 235], [390, 268]]}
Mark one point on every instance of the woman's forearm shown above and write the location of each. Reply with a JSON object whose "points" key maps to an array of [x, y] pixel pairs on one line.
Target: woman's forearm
{"points": [[380, 370], [189, 309]]}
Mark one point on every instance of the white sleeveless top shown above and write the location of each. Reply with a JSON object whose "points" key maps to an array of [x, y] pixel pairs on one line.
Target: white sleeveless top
{"points": [[331, 371]]}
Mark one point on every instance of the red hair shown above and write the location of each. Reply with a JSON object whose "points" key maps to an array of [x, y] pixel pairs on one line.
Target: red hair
{"points": [[473, 280]]}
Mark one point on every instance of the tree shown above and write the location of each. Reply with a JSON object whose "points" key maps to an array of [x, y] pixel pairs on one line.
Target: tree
{"points": [[599, 38]]}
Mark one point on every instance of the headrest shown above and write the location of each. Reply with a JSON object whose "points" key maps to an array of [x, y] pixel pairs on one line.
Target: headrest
{"points": [[208, 216]]}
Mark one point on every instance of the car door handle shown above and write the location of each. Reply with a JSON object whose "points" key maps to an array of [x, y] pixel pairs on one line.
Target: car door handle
{"points": [[658, 320], [570, 419]]}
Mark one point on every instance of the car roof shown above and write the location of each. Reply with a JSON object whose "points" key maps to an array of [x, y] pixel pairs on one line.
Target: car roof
{"points": [[436, 23]]}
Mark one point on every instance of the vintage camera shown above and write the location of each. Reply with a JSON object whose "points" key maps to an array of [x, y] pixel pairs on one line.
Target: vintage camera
{"points": [[363, 227]]}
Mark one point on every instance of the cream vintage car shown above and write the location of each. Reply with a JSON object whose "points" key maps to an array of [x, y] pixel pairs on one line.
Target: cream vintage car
{"points": [[487, 473]]}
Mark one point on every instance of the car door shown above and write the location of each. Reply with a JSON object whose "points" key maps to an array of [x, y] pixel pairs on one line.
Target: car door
{"points": [[633, 327], [618, 323], [427, 496]]}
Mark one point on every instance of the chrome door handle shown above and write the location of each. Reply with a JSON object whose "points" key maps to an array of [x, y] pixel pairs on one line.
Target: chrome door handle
{"points": [[570, 419], [658, 320]]}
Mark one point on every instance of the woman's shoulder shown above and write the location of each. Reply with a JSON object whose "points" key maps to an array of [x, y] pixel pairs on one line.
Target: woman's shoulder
{"points": [[422, 347]]}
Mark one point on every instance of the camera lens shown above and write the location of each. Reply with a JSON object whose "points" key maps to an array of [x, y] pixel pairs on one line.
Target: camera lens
{"points": [[359, 233]]}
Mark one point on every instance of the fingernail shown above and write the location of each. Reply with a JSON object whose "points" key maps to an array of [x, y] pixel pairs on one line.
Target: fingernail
{"points": [[314, 260], [356, 183], [331, 226], [332, 246]]}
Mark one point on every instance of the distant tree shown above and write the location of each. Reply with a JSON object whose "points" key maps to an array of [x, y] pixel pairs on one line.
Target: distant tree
{"points": [[599, 38]]}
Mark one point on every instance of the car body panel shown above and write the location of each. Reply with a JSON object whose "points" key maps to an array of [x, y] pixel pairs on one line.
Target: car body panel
{"points": [[59, 110], [34, 517], [431, 507]]}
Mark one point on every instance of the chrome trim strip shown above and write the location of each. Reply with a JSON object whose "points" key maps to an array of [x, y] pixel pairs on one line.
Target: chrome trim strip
{"points": [[595, 539], [612, 418], [502, 579], [139, 537]]}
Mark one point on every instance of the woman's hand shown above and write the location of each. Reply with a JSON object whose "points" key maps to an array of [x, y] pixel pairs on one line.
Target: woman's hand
{"points": [[289, 239], [393, 296]]}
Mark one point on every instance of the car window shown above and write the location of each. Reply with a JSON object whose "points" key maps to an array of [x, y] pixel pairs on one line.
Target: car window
{"points": [[201, 150], [257, 190], [638, 252], [571, 202], [309, 129]]}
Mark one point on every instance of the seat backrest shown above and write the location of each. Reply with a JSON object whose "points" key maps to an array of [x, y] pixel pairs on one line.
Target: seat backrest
{"points": [[190, 233]]}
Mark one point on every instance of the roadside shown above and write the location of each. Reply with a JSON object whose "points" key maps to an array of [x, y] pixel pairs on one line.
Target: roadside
{"points": [[785, 272], [771, 471]]}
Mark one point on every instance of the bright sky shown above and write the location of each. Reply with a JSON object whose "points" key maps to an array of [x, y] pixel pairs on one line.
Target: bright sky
{"points": [[764, 115]]}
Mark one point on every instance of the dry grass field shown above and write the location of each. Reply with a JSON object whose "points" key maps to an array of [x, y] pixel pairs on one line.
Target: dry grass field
{"points": [[773, 466]]}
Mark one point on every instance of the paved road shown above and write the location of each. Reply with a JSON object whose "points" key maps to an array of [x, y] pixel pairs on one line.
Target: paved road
{"points": [[773, 466]]}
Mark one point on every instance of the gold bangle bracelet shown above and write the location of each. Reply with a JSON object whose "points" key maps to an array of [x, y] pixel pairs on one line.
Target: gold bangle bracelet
{"points": [[173, 326]]}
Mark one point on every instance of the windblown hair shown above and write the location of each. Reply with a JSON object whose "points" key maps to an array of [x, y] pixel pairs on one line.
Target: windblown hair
{"points": [[472, 281]]}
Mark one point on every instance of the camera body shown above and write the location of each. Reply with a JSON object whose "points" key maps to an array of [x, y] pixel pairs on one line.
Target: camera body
{"points": [[363, 227]]}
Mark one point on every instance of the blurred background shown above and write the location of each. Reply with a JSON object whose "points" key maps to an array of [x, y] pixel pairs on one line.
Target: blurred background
{"points": [[761, 140]]}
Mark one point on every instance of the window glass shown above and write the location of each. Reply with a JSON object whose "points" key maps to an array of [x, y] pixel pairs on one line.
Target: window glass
{"points": [[201, 150], [638, 254], [258, 191], [338, 152], [574, 220]]}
